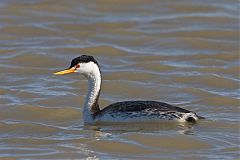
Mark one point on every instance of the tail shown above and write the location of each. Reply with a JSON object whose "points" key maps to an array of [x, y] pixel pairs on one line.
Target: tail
{"points": [[200, 117], [193, 118]]}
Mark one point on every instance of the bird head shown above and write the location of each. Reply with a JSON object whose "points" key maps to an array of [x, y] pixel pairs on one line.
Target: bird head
{"points": [[84, 64]]}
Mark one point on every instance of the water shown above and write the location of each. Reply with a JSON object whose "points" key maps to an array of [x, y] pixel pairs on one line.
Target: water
{"points": [[184, 52]]}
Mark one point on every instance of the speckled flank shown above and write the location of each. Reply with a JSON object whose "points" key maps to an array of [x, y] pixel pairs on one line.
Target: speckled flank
{"points": [[143, 111]]}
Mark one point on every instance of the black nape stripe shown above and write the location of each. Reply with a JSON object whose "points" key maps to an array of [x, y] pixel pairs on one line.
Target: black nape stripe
{"points": [[82, 59]]}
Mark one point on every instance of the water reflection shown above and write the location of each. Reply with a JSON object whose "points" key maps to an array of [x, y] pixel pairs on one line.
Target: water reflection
{"points": [[107, 129]]}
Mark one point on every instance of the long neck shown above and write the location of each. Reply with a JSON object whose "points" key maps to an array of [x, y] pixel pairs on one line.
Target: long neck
{"points": [[91, 102]]}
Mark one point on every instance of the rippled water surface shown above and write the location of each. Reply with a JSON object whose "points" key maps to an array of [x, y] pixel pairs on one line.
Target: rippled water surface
{"points": [[183, 52]]}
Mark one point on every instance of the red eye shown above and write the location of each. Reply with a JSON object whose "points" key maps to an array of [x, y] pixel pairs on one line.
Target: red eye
{"points": [[77, 66]]}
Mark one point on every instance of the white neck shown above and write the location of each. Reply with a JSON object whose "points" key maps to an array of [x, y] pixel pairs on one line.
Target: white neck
{"points": [[94, 85]]}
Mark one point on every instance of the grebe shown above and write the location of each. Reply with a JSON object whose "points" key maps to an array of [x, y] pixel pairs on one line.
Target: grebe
{"points": [[126, 111]]}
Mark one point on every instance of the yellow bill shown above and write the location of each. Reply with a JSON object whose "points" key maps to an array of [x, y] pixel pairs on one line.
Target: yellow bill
{"points": [[67, 71]]}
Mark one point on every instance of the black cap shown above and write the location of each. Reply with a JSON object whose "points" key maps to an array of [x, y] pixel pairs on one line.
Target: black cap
{"points": [[83, 59]]}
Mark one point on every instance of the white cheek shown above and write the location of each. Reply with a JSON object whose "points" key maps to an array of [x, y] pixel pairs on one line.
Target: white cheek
{"points": [[80, 70], [84, 68], [88, 69]]}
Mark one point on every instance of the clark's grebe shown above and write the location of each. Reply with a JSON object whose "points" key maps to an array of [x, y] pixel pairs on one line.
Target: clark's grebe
{"points": [[127, 111]]}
